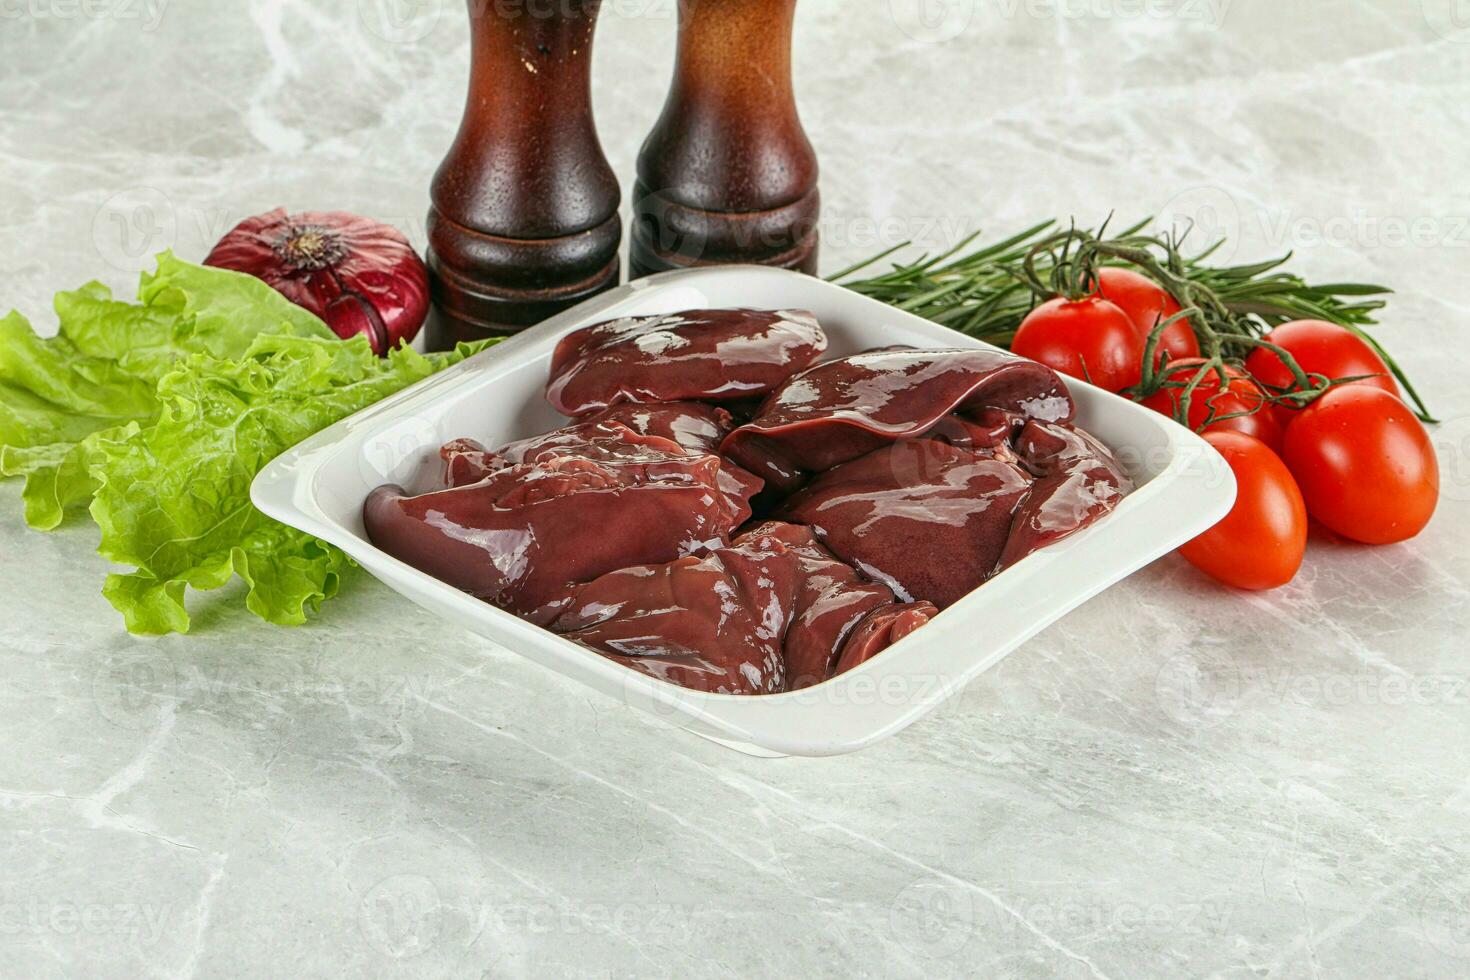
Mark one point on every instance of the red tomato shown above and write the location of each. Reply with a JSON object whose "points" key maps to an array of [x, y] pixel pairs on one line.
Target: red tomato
{"points": [[1320, 348], [1146, 303], [1260, 543], [1366, 466], [1240, 395], [1090, 339]]}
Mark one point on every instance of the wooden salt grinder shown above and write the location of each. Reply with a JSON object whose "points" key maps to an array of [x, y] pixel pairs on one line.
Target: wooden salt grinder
{"points": [[728, 175], [524, 221]]}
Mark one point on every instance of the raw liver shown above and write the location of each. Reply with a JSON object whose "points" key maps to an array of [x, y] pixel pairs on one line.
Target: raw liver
{"points": [[697, 355], [925, 472], [698, 427], [714, 623], [832, 599], [925, 518], [516, 527], [837, 411], [1078, 481], [880, 629]]}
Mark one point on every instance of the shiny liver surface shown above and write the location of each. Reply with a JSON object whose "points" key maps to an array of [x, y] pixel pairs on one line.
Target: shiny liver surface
{"points": [[901, 480]]}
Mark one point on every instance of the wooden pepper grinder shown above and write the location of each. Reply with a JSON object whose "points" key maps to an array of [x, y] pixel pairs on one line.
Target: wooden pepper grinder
{"points": [[524, 221], [728, 175]]}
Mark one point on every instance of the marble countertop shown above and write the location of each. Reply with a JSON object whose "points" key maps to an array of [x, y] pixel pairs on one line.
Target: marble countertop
{"points": [[1174, 780]]}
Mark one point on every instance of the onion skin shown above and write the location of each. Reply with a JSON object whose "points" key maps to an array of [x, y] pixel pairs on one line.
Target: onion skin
{"points": [[358, 275]]}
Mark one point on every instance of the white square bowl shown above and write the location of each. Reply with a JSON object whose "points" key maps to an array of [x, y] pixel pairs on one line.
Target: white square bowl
{"points": [[1184, 487]]}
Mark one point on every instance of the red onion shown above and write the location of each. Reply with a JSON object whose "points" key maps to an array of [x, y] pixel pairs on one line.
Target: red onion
{"points": [[358, 275]]}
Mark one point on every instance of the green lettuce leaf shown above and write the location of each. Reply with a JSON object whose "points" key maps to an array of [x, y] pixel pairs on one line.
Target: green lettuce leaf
{"points": [[182, 309], [57, 476], [59, 395], [173, 498], [160, 412]]}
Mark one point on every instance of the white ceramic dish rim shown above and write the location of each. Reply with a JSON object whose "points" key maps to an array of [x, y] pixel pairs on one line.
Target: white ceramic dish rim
{"points": [[1193, 489]]}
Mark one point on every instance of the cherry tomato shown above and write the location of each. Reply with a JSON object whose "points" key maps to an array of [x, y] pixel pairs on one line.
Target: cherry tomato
{"points": [[1089, 338], [1241, 394], [1365, 465], [1260, 543], [1146, 303], [1320, 348]]}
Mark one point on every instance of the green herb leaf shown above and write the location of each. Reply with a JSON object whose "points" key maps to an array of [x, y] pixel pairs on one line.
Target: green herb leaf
{"points": [[160, 412], [57, 476], [102, 369], [173, 498], [986, 291]]}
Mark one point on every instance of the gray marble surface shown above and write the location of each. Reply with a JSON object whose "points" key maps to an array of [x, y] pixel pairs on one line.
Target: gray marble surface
{"points": [[1173, 781]]}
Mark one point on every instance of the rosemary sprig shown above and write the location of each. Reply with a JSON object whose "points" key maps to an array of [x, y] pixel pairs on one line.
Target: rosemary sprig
{"points": [[986, 290]]}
